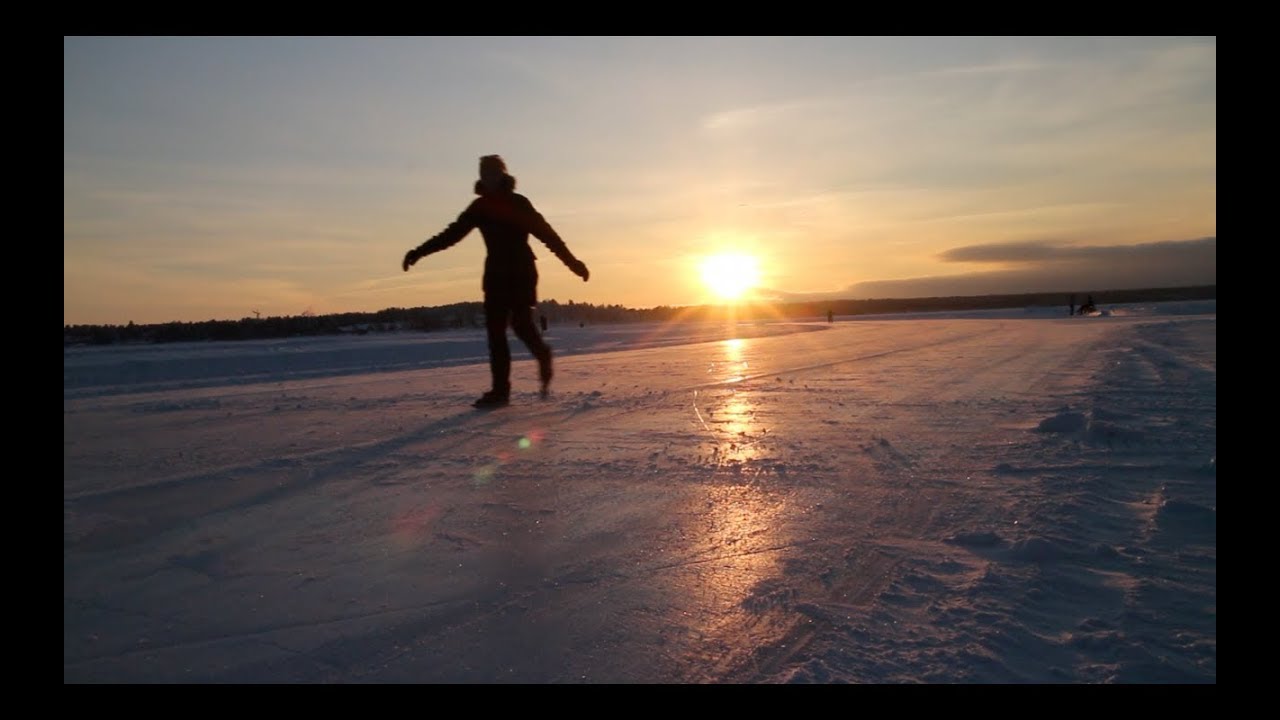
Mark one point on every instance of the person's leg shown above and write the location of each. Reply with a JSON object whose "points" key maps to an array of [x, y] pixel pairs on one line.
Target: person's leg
{"points": [[496, 314], [522, 324]]}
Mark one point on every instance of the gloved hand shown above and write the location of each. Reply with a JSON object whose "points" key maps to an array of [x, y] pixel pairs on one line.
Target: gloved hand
{"points": [[410, 258], [580, 269]]}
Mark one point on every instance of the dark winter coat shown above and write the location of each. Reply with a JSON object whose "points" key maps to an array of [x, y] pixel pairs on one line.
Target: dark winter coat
{"points": [[506, 219]]}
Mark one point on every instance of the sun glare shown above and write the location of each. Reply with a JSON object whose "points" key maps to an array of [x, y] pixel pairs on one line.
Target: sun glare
{"points": [[730, 276]]}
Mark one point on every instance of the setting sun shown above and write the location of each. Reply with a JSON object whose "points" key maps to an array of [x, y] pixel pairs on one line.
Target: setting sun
{"points": [[729, 276]]}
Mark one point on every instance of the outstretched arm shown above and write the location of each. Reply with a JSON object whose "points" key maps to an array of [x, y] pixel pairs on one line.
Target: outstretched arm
{"points": [[451, 235], [541, 229]]}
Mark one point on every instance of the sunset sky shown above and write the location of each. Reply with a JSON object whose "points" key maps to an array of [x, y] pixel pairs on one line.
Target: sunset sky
{"points": [[215, 177]]}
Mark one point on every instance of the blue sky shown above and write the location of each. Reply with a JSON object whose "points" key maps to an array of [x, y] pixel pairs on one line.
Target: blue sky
{"points": [[212, 177]]}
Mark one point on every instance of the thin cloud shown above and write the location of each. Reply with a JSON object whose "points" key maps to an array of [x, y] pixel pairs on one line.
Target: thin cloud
{"points": [[998, 68], [1045, 267], [1042, 252], [1013, 252]]}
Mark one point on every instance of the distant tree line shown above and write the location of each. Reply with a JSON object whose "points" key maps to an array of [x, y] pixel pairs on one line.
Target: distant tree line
{"points": [[471, 315]]}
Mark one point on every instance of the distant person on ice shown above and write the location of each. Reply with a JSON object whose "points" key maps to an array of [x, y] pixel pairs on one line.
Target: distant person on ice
{"points": [[506, 220]]}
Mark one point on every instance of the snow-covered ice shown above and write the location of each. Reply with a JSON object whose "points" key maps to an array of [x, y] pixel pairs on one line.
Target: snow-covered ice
{"points": [[1008, 496]]}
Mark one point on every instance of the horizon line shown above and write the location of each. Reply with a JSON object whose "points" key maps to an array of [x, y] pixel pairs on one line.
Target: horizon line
{"points": [[741, 303]]}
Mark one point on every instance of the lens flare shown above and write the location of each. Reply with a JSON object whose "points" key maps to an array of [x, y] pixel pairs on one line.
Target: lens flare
{"points": [[487, 472], [413, 526], [484, 474]]}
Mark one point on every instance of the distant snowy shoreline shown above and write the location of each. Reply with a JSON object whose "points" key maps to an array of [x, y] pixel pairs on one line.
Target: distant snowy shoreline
{"points": [[113, 369]]}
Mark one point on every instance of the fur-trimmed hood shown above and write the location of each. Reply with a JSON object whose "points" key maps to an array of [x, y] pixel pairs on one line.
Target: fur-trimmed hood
{"points": [[508, 185]]}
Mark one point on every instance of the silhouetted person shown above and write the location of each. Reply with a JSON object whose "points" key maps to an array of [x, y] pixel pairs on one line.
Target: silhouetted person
{"points": [[830, 317], [506, 220], [542, 319], [1071, 308]]}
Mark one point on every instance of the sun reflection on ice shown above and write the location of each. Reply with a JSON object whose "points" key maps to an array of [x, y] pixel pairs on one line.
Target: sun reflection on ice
{"points": [[734, 541], [728, 413], [734, 423], [730, 367], [736, 527]]}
